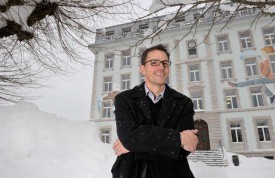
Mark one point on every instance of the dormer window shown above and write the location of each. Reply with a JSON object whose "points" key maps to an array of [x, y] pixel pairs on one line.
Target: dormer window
{"points": [[143, 28], [196, 15], [110, 35], [180, 18], [126, 32], [200, 16]]}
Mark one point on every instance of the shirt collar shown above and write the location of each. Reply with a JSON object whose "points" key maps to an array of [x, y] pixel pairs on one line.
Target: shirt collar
{"points": [[151, 95]]}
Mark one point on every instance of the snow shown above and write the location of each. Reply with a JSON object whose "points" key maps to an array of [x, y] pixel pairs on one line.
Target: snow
{"points": [[161, 4], [35, 144], [20, 15], [38, 144], [3, 2], [158, 5], [269, 9]]}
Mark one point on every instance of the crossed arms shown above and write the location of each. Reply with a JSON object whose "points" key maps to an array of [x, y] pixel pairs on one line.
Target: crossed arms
{"points": [[188, 142], [154, 140]]}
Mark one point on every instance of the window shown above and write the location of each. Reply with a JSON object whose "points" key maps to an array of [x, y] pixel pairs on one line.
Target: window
{"points": [[236, 132], [246, 39], [108, 84], [245, 12], [180, 18], [231, 99], [110, 35], [143, 28], [217, 14], [126, 58], [197, 100], [196, 15], [192, 48], [125, 82], [226, 70], [223, 44], [105, 135], [179, 21], [263, 131], [254, 10], [126, 32], [257, 97], [272, 63], [194, 73], [269, 36], [107, 109], [251, 67], [109, 62], [200, 16]]}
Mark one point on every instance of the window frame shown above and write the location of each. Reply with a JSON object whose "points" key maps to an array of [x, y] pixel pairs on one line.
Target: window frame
{"points": [[248, 39], [264, 129], [143, 28], [109, 82], [199, 100], [258, 92], [109, 61], [227, 41], [126, 58], [105, 137], [233, 98], [226, 67], [272, 63], [236, 129], [269, 36], [125, 81], [196, 73], [110, 35], [180, 18], [107, 108], [254, 67], [126, 31]]}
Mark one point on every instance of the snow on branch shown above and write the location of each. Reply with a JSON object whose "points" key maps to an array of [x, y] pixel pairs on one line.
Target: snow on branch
{"points": [[17, 20]]}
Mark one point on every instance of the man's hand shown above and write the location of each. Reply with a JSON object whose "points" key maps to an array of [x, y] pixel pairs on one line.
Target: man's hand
{"points": [[119, 148], [189, 140]]}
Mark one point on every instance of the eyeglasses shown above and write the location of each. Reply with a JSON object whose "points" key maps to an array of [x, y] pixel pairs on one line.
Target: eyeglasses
{"points": [[156, 62]]}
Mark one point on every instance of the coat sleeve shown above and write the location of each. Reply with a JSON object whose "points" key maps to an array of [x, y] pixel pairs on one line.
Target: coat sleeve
{"points": [[144, 138], [186, 122]]}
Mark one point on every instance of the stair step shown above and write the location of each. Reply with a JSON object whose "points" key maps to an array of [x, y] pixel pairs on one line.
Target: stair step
{"points": [[209, 157]]}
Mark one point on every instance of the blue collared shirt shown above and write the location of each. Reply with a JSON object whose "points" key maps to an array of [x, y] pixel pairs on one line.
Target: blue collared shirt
{"points": [[151, 95]]}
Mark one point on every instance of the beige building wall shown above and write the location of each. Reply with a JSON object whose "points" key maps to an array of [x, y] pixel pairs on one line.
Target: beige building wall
{"points": [[212, 86]]}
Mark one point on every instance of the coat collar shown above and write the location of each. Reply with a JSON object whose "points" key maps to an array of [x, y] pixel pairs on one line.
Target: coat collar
{"points": [[170, 101]]}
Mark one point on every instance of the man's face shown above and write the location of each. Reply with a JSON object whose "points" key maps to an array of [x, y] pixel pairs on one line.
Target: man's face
{"points": [[155, 75]]}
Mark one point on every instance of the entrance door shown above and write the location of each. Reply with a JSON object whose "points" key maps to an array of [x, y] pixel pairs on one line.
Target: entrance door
{"points": [[203, 135]]}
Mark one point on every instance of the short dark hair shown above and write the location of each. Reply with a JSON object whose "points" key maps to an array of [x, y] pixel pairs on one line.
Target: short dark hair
{"points": [[157, 47]]}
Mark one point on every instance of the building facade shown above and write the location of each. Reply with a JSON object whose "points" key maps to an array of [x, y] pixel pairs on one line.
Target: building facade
{"points": [[239, 118]]}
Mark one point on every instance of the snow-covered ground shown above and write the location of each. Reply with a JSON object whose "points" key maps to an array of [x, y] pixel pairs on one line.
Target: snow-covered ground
{"points": [[35, 144]]}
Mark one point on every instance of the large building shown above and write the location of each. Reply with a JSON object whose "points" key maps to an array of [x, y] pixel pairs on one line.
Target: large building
{"points": [[240, 119]]}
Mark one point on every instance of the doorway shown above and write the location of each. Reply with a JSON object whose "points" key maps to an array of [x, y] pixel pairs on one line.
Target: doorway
{"points": [[203, 135]]}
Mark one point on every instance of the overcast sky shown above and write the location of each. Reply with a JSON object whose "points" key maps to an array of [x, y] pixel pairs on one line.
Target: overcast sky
{"points": [[70, 97]]}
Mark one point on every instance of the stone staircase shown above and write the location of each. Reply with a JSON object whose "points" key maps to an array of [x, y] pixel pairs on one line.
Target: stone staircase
{"points": [[209, 157]]}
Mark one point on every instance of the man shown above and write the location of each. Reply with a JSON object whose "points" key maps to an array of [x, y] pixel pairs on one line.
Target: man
{"points": [[155, 125]]}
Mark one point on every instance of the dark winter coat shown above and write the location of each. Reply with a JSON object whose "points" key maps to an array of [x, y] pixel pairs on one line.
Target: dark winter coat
{"points": [[160, 145]]}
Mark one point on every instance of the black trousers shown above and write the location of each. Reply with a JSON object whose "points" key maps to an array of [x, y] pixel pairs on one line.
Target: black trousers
{"points": [[148, 171], [145, 170]]}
